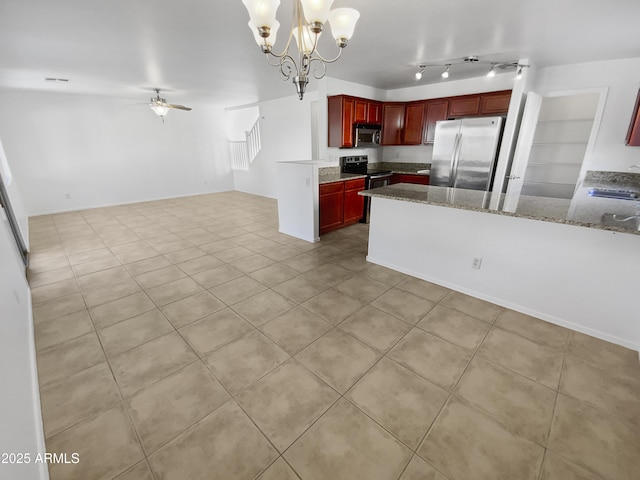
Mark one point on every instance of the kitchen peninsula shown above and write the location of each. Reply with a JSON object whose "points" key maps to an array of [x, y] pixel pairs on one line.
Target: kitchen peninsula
{"points": [[550, 258]]}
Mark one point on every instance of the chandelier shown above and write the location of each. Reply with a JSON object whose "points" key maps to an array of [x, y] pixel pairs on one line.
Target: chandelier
{"points": [[309, 17]]}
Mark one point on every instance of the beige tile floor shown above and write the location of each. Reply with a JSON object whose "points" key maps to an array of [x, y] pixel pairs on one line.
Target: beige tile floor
{"points": [[188, 339]]}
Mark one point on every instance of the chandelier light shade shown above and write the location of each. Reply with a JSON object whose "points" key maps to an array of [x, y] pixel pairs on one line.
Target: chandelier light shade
{"points": [[309, 18], [343, 24], [262, 12], [268, 41], [316, 11], [305, 39]]}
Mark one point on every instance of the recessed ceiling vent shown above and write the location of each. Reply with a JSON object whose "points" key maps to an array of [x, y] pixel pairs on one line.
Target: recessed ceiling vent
{"points": [[54, 79]]}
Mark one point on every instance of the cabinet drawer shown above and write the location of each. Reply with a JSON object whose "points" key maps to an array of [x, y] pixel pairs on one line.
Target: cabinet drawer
{"points": [[355, 184], [420, 179], [329, 188]]}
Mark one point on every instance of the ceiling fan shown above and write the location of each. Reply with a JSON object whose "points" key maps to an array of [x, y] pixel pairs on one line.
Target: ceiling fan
{"points": [[160, 106]]}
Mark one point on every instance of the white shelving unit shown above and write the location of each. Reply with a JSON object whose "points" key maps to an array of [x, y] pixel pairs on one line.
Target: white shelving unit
{"points": [[559, 145]]}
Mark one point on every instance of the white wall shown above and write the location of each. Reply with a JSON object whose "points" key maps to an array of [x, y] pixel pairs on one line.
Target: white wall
{"points": [[285, 131], [20, 415], [241, 120], [298, 200], [104, 151], [622, 79]]}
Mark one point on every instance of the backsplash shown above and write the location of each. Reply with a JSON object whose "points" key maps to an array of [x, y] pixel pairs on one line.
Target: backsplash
{"points": [[594, 178]]}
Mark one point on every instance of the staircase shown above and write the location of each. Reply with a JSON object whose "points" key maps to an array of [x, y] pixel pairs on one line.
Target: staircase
{"points": [[245, 152]]}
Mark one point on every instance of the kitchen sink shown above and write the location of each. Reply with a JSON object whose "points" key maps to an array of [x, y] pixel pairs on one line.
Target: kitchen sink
{"points": [[627, 222]]}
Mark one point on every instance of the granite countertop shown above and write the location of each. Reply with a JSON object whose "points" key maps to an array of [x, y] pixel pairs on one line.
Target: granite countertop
{"points": [[582, 210], [337, 177], [333, 174]]}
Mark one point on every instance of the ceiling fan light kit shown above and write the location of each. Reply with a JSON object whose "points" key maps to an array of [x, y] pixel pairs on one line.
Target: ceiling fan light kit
{"points": [[309, 17], [472, 60], [160, 106]]}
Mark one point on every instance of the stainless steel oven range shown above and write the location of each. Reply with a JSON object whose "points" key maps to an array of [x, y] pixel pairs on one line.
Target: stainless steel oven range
{"points": [[359, 164]]}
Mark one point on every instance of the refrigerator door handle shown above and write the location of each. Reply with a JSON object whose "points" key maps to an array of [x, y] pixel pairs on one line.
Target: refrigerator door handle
{"points": [[455, 159]]}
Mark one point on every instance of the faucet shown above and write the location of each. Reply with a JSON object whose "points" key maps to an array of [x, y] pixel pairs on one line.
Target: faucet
{"points": [[635, 218]]}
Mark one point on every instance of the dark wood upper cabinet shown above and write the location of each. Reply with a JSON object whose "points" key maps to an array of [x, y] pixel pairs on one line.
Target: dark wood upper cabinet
{"points": [[436, 110], [361, 110], [344, 111], [392, 123], [495, 102], [374, 113], [633, 135], [464, 106], [341, 114], [413, 123]]}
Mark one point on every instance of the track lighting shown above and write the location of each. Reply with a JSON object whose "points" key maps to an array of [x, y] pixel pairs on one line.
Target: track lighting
{"points": [[494, 67]]}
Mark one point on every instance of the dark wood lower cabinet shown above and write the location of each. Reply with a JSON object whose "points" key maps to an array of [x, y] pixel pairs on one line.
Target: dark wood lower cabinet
{"points": [[353, 203], [331, 206], [340, 204], [409, 178]]}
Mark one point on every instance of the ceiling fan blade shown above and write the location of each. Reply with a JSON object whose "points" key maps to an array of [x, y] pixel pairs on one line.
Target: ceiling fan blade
{"points": [[179, 107]]}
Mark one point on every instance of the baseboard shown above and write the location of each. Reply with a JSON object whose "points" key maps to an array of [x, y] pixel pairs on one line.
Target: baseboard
{"points": [[512, 306], [118, 204]]}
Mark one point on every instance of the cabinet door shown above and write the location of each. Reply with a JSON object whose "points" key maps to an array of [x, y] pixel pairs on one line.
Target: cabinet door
{"points": [[464, 105], [633, 135], [331, 206], [392, 123], [495, 103], [374, 113], [361, 108], [436, 110], [353, 203], [347, 122], [340, 118], [420, 179], [413, 123]]}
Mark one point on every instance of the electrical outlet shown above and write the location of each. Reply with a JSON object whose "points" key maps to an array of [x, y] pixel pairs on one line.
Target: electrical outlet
{"points": [[477, 263], [308, 182]]}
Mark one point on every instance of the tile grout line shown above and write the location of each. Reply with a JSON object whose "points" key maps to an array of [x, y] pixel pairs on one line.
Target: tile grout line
{"points": [[555, 406], [455, 386]]}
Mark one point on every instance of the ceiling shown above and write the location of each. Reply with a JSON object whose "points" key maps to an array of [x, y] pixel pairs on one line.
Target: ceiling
{"points": [[203, 51]]}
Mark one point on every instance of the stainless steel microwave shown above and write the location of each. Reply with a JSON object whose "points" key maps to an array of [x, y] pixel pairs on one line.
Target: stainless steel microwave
{"points": [[366, 135]]}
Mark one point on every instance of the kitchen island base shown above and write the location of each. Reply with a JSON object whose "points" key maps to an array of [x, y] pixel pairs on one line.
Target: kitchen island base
{"points": [[581, 278]]}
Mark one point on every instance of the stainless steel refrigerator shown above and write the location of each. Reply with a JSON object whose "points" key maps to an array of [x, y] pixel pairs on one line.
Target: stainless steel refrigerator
{"points": [[464, 152]]}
